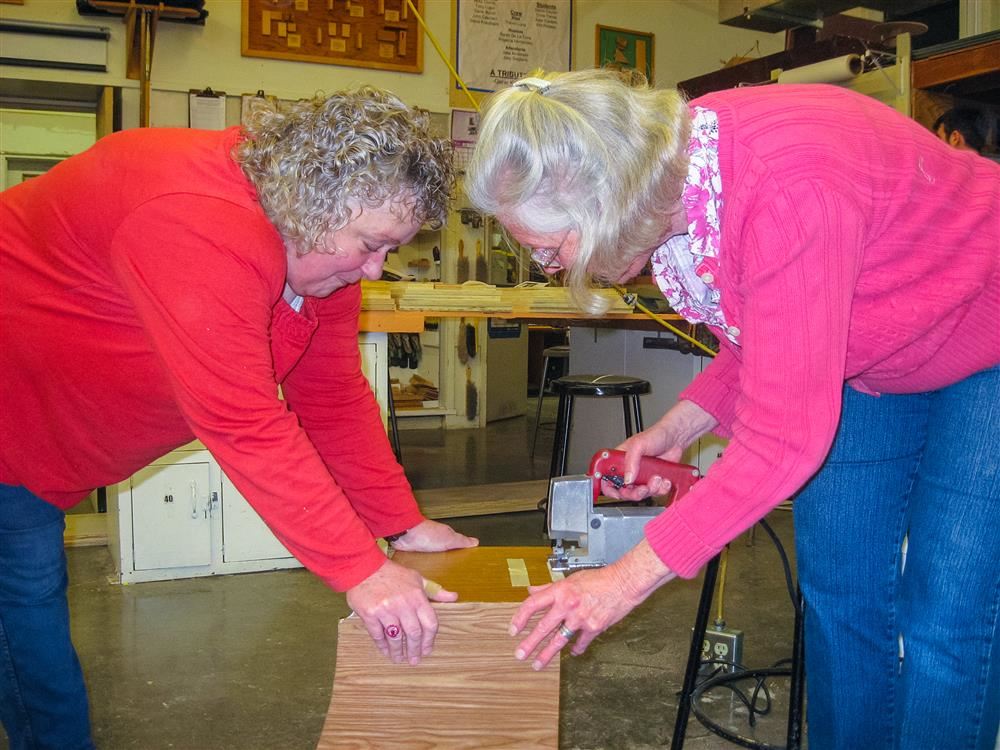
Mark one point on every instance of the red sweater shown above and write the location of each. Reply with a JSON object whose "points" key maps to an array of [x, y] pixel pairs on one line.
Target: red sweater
{"points": [[855, 247], [140, 304]]}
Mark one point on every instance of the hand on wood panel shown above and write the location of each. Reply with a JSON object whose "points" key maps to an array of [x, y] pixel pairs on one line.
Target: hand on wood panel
{"points": [[586, 603], [393, 605], [431, 536]]}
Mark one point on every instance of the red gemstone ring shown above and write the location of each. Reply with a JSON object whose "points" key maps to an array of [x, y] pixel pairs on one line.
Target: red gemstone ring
{"points": [[392, 631]]}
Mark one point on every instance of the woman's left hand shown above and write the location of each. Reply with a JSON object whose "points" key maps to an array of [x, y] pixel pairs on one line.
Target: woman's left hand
{"points": [[431, 536], [587, 603]]}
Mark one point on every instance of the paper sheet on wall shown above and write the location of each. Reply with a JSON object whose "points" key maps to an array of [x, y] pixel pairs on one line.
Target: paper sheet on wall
{"points": [[207, 110], [500, 41]]}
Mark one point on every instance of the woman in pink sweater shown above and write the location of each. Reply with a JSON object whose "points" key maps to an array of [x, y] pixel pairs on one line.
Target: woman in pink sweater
{"points": [[848, 263]]}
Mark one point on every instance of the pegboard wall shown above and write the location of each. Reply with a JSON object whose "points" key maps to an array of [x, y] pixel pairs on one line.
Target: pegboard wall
{"points": [[380, 34]]}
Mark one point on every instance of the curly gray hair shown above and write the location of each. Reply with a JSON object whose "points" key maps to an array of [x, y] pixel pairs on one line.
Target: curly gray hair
{"points": [[311, 160], [596, 151]]}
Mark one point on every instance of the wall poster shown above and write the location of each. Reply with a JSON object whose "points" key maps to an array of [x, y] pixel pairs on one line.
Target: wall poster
{"points": [[500, 41]]}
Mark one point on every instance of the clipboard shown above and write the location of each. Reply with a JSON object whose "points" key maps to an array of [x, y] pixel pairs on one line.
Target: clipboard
{"points": [[250, 102], [207, 109]]}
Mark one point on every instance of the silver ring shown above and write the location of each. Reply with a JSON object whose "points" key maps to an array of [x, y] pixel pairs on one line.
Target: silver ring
{"points": [[566, 632]]}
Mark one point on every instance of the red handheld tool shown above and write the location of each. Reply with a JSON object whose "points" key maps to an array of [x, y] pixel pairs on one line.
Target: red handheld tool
{"points": [[609, 466]]}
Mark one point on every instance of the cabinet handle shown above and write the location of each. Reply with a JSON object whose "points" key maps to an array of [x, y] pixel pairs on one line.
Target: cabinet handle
{"points": [[194, 499]]}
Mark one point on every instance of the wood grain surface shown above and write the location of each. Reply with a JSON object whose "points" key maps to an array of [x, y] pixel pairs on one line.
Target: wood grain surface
{"points": [[470, 693], [482, 574]]}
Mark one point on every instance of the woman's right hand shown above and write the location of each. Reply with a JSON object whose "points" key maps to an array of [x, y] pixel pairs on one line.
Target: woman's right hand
{"points": [[684, 423], [396, 611]]}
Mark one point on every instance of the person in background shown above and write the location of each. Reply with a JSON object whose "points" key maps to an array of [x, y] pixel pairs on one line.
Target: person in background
{"points": [[847, 262], [159, 287], [960, 127]]}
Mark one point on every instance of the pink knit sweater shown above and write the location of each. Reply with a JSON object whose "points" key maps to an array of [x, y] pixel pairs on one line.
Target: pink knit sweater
{"points": [[855, 247]]}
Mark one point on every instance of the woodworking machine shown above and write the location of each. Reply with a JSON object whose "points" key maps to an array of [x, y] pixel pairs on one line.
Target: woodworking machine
{"points": [[589, 536]]}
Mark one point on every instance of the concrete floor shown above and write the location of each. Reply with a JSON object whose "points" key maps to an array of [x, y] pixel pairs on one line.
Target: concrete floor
{"points": [[247, 661]]}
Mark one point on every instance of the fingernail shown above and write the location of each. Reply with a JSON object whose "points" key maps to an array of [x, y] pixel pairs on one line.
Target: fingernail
{"points": [[519, 654], [512, 630], [537, 666], [628, 478]]}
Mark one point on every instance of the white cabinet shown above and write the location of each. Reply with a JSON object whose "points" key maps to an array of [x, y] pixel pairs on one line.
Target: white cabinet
{"points": [[182, 517]]}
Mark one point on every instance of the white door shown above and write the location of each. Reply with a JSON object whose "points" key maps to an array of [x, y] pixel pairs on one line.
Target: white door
{"points": [[244, 536], [171, 520]]}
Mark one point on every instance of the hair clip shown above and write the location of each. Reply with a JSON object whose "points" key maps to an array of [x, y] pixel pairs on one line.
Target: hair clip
{"points": [[533, 84]]}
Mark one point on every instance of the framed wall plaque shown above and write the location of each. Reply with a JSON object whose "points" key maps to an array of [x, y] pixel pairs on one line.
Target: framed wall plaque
{"points": [[381, 34], [624, 50]]}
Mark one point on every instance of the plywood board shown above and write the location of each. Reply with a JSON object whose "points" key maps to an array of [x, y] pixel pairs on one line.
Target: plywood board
{"points": [[483, 574], [470, 693], [482, 499]]}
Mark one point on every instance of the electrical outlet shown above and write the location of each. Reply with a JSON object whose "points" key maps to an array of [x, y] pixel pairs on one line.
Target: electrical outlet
{"points": [[721, 645]]}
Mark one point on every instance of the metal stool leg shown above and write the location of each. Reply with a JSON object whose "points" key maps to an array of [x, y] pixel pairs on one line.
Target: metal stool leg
{"points": [[560, 442], [393, 425], [637, 410], [694, 653], [796, 692], [633, 417], [538, 404]]}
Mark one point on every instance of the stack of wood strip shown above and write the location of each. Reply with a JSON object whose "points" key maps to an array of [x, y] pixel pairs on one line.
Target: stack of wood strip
{"points": [[415, 394], [474, 297], [555, 299], [376, 295]]}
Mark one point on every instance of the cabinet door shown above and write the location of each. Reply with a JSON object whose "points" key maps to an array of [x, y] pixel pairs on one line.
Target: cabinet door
{"points": [[171, 523], [244, 536]]}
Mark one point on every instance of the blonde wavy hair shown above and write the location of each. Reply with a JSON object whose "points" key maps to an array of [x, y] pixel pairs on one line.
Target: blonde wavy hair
{"points": [[311, 160], [596, 151]]}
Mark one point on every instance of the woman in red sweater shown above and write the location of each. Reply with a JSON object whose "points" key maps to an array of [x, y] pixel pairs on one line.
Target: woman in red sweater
{"points": [[847, 261], [160, 287]]}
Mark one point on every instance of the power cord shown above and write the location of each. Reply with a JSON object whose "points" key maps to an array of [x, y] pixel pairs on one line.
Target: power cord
{"points": [[758, 699]]}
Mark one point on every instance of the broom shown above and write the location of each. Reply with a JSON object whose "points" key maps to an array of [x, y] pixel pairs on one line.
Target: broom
{"points": [[463, 263], [471, 396], [482, 271]]}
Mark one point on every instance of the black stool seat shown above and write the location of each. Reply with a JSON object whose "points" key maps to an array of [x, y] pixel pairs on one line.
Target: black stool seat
{"points": [[627, 388], [601, 385]]}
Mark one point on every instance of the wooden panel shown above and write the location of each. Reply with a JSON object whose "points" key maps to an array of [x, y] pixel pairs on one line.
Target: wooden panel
{"points": [[86, 530], [483, 574], [958, 65], [470, 693], [360, 33], [482, 499]]}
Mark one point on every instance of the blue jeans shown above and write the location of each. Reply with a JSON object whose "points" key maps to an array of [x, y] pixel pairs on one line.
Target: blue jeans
{"points": [[899, 656], [43, 702]]}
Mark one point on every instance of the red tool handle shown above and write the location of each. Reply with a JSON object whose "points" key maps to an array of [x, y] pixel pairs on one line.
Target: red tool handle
{"points": [[609, 466]]}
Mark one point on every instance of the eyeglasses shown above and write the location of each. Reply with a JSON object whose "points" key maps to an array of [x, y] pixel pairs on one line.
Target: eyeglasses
{"points": [[546, 257]]}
